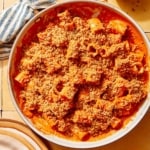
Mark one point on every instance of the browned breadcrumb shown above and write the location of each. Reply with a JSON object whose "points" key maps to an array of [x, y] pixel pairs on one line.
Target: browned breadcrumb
{"points": [[82, 80]]}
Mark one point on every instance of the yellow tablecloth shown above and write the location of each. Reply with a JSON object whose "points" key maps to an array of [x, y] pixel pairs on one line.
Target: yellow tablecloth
{"points": [[139, 137]]}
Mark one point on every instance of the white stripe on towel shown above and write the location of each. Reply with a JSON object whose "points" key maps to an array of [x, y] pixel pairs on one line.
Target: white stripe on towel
{"points": [[12, 24], [13, 19]]}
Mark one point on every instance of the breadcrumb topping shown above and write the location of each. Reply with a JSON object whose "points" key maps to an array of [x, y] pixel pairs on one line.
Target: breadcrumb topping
{"points": [[83, 77]]}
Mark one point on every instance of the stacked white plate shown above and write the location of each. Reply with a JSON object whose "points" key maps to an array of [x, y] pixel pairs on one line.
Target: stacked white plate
{"points": [[17, 136]]}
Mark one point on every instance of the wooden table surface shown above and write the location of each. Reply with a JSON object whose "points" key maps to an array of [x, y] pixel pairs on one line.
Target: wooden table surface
{"points": [[139, 137]]}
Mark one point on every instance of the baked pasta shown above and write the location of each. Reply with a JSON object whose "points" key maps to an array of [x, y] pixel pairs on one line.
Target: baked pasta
{"points": [[82, 76]]}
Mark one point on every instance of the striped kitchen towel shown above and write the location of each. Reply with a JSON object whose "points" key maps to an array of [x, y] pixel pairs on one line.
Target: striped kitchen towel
{"points": [[14, 18]]}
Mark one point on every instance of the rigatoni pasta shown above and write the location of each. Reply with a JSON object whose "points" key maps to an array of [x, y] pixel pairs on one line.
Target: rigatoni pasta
{"points": [[81, 76]]}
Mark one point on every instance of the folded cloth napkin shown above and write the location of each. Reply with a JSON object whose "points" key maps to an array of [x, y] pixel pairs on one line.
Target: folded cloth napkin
{"points": [[14, 18]]}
